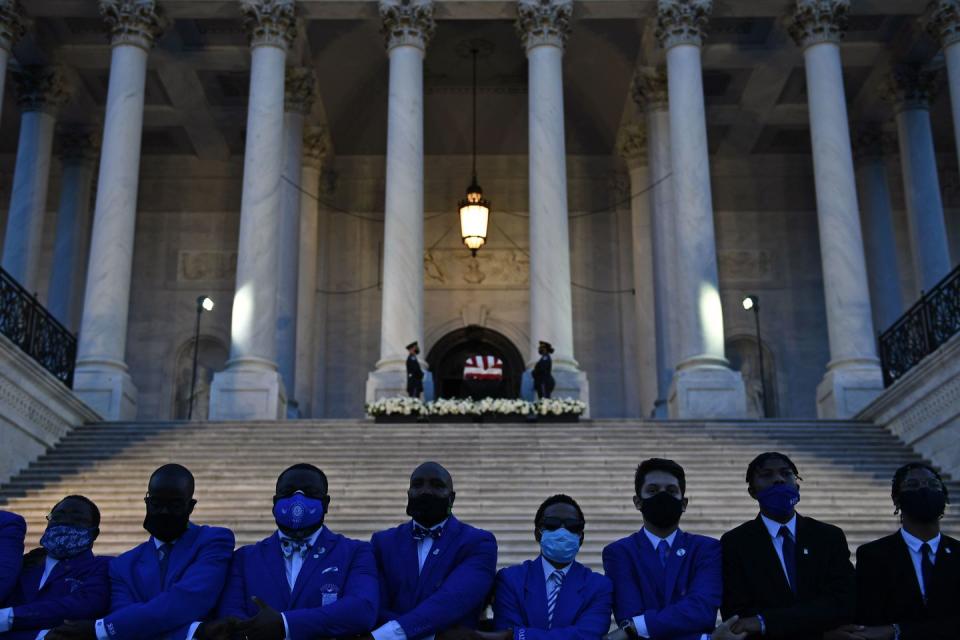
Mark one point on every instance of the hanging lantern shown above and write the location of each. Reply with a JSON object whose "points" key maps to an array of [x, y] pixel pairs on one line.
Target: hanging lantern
{"points": [[474, 209]]}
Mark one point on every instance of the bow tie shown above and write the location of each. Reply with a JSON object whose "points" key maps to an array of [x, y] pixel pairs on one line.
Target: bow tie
{"points": [[290, 546], [421, 533]]}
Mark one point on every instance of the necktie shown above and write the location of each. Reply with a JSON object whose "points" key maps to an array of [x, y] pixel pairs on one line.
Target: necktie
{"points": [[926, 569], [789, 556], [290, 546], [663, 549], [553, 591], [420, 533], [164, 550]]}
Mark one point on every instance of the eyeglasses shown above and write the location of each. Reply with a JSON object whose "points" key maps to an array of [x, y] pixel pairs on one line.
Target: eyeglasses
{"points": [[914, 484], [552, 524], [172, 505]]}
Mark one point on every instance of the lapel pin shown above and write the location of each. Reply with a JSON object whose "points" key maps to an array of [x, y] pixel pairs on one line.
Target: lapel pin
{"points": [[681, 552], [316, 555], [436, 552], [947, 549], [806, 551]]}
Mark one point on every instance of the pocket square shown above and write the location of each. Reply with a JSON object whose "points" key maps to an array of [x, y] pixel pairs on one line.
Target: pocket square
{"points": [[329, 569]]}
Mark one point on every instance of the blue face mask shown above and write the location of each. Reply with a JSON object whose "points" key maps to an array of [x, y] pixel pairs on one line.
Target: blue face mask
{"points": [[559, 546], [298, 512], [65, 541], [779, 500]]}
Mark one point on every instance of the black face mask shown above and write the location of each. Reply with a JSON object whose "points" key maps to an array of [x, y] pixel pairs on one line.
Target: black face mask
{"points": [[662, 510], [923, 505], [428, 510], [166, 527]]}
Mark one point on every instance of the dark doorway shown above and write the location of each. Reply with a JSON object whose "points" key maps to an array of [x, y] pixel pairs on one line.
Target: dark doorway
{"points": [[450, 353]]}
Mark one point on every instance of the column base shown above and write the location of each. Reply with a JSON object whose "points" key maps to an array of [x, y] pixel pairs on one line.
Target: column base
{"points": [[108, 390], [707, 392], [392, 383], [848, 388], [244, 392]]}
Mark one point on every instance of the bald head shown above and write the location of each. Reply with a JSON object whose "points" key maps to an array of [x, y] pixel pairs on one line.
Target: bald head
{"points": [[432, 470], [172, 480]]}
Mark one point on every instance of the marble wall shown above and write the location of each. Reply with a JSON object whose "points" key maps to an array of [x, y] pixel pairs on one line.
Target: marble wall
{"points": [[186, 241]]}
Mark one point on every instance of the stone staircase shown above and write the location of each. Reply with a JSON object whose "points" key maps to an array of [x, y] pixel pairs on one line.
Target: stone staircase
{"points": [[501, 474]]}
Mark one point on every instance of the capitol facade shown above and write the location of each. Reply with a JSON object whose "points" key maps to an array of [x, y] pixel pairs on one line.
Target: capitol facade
{"points": [[651, 165]]}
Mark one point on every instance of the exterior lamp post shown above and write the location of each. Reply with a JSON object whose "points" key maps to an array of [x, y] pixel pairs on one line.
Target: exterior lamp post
{"points": [[752, 303], [474, 209], [204, 303]]}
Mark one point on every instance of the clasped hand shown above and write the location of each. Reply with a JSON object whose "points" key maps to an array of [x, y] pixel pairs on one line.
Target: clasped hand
{"points": [[267, 624]]}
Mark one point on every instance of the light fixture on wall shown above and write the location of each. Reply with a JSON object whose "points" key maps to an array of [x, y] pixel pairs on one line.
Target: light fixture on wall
{"points": [[474, 209], [204, 303]]}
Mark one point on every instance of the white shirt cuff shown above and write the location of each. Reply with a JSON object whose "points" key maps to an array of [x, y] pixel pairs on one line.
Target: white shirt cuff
{"points": [[286, 628], [6, 619], [641, 624], [42, 634], [391, 631], [193, 629], [101, 630], [705, 636]]}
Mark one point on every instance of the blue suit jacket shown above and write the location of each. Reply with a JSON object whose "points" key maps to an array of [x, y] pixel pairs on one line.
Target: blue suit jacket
{"points": [[678, 602], [336, 593], [77, 588], [452, 589], [195, 576], [582, 611], [12, 530]]}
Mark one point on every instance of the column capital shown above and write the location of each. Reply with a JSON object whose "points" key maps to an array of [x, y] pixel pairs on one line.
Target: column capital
{"points": [[270, 23], [911, 87], [818, 21], [300, 89], [682, 21], [632, 144], [943, 21], [78, 143], [316, 144], [40, 88], [133, 22], [407, 23], [12, 23], [544, 22], [649, 88], [871, 141]]}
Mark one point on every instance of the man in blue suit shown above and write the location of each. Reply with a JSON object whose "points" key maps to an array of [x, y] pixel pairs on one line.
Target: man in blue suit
{"points": [[435, 571], [62, 579], [304, 581], [552, 597], [12, 531], [164, 587], [666, 582]]}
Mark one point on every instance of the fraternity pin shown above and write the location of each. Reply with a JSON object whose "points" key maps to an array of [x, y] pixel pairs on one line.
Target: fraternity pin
{"points": [[681, 552], [947, 549], [436, 552], [806, 551]]}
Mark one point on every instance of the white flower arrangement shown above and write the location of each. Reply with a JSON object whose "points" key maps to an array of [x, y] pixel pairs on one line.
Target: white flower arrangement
{"points": [[404, 406], [559, 407], [397, 406]]}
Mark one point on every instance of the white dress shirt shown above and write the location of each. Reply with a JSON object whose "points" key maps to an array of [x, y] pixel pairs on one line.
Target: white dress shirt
{"points": [[913, 544], [773, 528], [392, 630], [6, 615], [640, 622]]}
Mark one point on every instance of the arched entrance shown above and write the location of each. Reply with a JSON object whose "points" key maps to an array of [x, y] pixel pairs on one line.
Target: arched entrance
{"points": [[450, 353]]}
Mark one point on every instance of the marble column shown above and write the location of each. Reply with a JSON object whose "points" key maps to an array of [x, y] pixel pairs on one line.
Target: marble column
{"points": [[543, 26], [300, 90], [944, 24], [310, 324], [78, 155], [632, 145], [101, 378], [408, 26], [651, 95], [871, 148], [911, 90], [40, 92], [703, 385], [11, 30], [853, 376], [251, 388]]}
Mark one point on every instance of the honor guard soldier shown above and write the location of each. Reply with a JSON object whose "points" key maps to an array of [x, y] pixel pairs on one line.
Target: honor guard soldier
{"points": [[414, 372]]}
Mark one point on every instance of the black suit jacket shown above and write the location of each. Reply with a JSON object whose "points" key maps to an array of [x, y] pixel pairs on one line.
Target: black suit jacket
{"points": [[888, 592], [754, 582]]}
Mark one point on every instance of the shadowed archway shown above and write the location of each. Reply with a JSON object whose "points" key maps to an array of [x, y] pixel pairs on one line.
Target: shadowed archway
{"points": [[448, 355]]}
